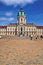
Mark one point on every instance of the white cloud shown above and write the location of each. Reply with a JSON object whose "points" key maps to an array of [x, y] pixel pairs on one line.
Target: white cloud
{"points": [[11, 19], [6, 19], [3, 18], [17, 2], [9, 14]]}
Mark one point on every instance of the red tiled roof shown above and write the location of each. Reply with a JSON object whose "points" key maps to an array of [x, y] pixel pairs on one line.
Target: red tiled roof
{"points": [[3, 26], [31, 25], [39, 27], [12, 24]]}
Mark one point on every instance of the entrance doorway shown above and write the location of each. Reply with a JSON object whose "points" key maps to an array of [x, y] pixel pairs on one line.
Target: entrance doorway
{"points": [[21, 30]]}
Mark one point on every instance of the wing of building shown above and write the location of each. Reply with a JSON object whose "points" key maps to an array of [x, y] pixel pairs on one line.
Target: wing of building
{"points": [[21, 27]]}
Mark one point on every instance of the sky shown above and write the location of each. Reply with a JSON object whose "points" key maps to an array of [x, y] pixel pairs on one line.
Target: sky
{"points": [[32, 8]]}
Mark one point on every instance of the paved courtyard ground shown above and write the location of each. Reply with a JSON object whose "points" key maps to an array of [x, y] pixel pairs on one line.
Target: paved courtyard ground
{"points": [[21, 52]]}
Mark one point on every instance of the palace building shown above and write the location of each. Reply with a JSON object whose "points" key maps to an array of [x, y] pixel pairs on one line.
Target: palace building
{"points": [[21, 27]]}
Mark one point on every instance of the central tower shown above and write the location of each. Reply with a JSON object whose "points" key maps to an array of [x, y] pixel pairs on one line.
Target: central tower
{"points": [[21, 17]]}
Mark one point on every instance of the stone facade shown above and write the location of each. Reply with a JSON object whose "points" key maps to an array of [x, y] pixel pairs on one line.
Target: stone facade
{"points": [[21, 27]]}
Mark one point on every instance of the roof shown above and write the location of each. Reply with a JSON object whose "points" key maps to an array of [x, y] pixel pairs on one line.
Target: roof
{"points": [[3, 26], [21, 9], [39, 27], [31, 25], [21, 13], [12, 24]]}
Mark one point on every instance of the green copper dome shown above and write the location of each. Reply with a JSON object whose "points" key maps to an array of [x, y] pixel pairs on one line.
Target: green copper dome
{"points": [[21, 12]]}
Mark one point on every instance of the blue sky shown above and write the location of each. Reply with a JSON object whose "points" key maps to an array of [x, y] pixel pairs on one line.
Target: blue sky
{"points": [[10, 8]]}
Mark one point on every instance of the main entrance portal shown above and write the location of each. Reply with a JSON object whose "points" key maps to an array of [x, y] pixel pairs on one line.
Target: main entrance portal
{"points": [[21, 30]]}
